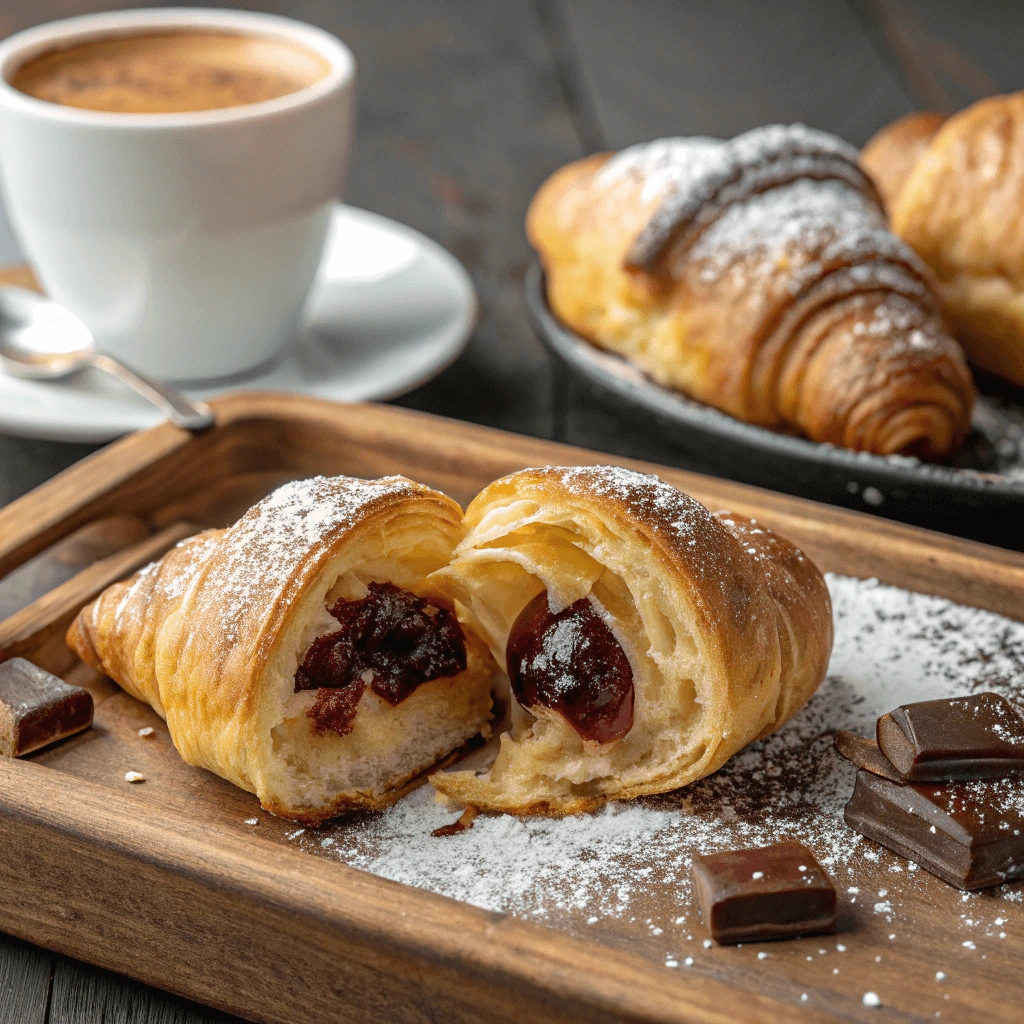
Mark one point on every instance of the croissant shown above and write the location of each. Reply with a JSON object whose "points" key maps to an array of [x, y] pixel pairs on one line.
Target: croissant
{"points": [[646, 640], [955, 192], [757, 276], [300, 653]]}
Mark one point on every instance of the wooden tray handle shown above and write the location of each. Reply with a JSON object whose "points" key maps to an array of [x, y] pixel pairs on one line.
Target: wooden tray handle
{"points": [[37, 631]]}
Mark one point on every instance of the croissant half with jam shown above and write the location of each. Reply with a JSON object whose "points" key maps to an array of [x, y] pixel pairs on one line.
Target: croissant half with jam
{"points": [[646, 640], [757, 275], [954, 188], [302, 653]]}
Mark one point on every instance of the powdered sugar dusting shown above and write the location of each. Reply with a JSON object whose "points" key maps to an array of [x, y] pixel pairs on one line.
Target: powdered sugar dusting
{"points": [[129, 611], [996, 444], [293, 525], [667, 165], [830, 220], [647, 496], [685, 527], [559, 649], [892, 647], [695, 179], [688, 171]]}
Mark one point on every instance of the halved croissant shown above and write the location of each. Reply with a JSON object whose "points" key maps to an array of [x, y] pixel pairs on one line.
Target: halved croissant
{"points": [[647, 640], [759, 276], [300, 653], [955, 192]]}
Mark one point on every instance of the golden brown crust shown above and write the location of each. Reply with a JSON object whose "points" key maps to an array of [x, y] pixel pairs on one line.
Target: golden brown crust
{"points": [[727, 628], [960, 209], [802, 603], [211, 636], [737, 306], [140, 605], [893, 153]]}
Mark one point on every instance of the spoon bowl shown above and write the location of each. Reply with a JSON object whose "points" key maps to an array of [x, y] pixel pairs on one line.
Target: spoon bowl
{"points": [[41, 340]]}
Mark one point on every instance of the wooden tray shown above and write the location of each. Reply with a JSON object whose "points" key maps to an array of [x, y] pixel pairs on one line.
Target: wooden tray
{"points": [[164, 882]]}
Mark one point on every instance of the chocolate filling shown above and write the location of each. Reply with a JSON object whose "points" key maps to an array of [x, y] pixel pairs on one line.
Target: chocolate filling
{"points": [[390, 640], [572, 664]]}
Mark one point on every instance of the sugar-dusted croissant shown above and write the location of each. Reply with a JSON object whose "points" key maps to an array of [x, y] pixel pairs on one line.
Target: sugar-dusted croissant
{"points": [[758, 276], [955, 192], [300, 653], [646, 640]]}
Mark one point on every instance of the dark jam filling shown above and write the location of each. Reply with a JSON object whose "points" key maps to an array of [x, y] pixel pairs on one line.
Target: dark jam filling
{"points": [[572, 664], [391, 641]]}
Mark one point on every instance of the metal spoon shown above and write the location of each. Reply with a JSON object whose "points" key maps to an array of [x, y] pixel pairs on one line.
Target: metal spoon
{"points": [[41, 340]]}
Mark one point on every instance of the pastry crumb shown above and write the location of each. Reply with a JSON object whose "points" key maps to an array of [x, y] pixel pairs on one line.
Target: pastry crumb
{"points": [[134, 777]]}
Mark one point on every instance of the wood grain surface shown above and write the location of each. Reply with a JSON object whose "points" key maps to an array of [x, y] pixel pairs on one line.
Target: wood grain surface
{"points": [[464, 108], [167, 882]]}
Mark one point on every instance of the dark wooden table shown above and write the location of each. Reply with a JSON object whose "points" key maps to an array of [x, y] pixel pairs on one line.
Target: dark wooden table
{"points": [[464, 108]]}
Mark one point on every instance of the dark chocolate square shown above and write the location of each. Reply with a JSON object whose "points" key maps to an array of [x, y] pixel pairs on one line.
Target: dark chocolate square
{"points": [[864, 753], [976, 737], [970, 834], [38, 708], [773, 892]]}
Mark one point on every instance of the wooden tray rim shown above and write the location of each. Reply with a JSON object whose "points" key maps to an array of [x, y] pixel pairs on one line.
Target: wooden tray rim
{"points": [[495, 957]]}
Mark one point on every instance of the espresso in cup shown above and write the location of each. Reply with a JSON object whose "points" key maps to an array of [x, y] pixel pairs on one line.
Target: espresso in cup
{"points": [[155, 191], [170, 72]]}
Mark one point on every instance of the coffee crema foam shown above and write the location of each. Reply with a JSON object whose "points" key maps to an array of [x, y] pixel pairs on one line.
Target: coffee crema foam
{"points": [[170, 72]]}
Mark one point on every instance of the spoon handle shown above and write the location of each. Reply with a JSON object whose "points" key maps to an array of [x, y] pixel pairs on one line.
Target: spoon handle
{"points": [[194, 416]]}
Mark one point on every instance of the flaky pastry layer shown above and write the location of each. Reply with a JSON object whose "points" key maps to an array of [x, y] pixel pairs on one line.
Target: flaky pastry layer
{"points": [[211, 637], [727, 628], [955, 192]]}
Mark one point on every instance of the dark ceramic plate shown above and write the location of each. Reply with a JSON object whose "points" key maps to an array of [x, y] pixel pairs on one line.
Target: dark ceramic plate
{"points": [[981, 495]]}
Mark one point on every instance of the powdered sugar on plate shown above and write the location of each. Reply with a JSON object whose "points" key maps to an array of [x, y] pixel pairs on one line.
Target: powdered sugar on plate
{"points": [[892, 647], [996, 444]]}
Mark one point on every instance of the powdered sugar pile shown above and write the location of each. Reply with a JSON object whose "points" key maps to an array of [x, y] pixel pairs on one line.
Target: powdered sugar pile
{"points": [[892, 647]]}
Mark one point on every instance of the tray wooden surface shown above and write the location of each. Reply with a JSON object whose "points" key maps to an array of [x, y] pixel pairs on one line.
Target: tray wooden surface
{"points": [[164, 881]]}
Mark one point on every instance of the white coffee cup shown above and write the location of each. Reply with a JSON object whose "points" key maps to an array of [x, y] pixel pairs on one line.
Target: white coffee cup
{"points": [[186, 241]]}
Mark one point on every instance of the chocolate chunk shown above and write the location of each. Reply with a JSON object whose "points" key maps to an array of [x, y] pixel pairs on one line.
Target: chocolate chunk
{"points": [[977, 737], [37, 708], [970, 834], [774, 892], [864, 753]]}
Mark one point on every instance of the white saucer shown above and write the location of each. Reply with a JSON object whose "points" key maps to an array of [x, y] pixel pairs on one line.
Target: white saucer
{"points": [[389, 310]]}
